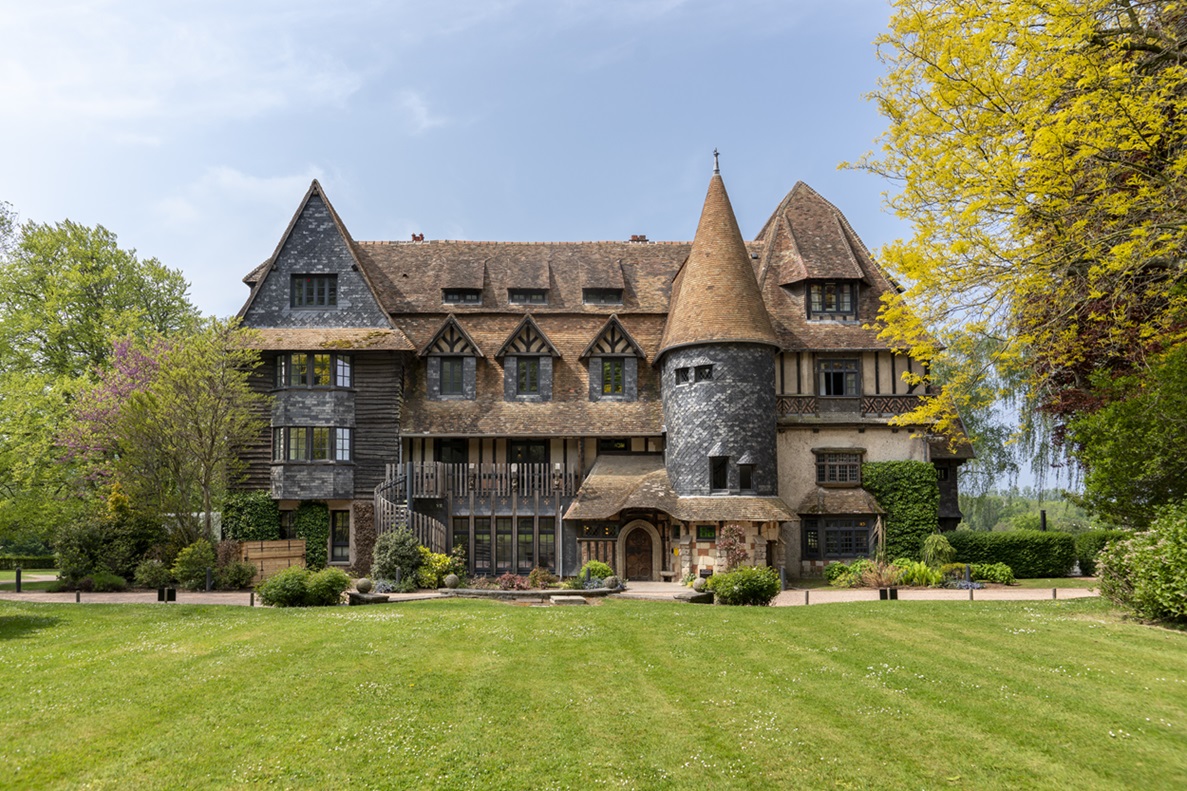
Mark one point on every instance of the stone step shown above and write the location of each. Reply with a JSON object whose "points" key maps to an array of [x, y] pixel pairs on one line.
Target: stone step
{"points": [[567, 600]]}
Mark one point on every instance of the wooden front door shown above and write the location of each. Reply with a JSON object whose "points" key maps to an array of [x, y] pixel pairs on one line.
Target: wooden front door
{"points": [[638, 555]]}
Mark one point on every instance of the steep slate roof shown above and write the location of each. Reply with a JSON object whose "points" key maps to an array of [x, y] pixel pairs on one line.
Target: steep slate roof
{"points": [[807, 238], [617, 482], [716, 298]]}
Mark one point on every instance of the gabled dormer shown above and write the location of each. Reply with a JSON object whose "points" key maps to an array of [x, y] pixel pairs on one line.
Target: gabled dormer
{"points": [[527, 363], [451, 360], [314, 278]]}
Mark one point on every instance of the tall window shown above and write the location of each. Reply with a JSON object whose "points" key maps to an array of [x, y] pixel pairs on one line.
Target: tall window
{"points": [[482, 545], [452, 375], [504, 527], [612, 376], [746, 477], [321, 370], [719, 467], [832, 300], [339, 536], [525, 545], [547, 549], [527, 372], [461, 536], [314, 291], [838, 468], [839, 378]]}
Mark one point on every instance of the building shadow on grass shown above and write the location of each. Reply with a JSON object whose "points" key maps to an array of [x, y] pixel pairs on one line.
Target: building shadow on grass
{"points": [[13, 627]]}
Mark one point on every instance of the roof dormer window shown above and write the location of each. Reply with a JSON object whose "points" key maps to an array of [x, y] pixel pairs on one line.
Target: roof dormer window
{"points": [[462, 296], [833, 299], [314, 291], [601, 296], [527, 296]]}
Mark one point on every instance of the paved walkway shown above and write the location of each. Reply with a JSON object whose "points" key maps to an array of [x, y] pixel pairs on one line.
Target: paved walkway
{"points": [[652, 591]]}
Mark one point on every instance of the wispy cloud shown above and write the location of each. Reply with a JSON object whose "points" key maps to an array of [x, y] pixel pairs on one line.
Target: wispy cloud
{"points": [[417, 114]]}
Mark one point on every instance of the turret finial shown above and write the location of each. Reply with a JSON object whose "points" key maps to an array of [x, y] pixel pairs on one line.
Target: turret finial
{"points": [[716, 167]]}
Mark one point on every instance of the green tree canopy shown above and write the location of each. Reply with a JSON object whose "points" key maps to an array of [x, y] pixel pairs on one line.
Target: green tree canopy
{"points": [[70, 290]]}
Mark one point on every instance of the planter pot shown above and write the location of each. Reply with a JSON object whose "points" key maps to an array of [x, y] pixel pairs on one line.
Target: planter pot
{"points": [[888, 594]]}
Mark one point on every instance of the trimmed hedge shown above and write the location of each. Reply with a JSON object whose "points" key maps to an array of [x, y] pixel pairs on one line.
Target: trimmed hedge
{"points": [[312, 523], [10, 562], [1029, 553], [752, 586], [251, 516], [910, 494], [1090, 544]]}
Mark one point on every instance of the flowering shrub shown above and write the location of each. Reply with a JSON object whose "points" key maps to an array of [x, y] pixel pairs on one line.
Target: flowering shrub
{"points": [[732, 543], [596, 568], [1148, 572], [513, 582]]}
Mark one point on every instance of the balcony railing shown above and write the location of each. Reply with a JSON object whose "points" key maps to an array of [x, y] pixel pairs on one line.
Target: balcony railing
{"points": [[871, 405], [437, 479]]}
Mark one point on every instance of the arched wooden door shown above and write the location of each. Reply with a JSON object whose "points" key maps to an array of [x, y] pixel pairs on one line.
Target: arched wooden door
{"points": [[638, 555]]}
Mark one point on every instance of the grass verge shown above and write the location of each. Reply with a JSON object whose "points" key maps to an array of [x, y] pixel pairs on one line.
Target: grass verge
{"points": [[472, 694]]}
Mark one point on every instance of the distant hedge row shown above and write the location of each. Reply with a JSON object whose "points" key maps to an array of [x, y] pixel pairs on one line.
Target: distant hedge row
{"points": [[1029, 553], [10, 562]]}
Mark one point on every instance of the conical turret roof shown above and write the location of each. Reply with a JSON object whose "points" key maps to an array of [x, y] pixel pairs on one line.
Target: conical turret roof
{"points": [[715, 296]]}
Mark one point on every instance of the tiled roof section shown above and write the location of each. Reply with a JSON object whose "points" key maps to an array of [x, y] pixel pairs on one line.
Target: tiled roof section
{"points": [[616, 483], [716, 298], [570, 413], [253, 277], [821, 501], [410, 276], [332, 339], [807, 238]]}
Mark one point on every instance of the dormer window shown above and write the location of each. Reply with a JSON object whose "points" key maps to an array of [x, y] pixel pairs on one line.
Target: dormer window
{"points": [[314, 291], [527, 296], [462, 296], [835, 300], [601, 296]]}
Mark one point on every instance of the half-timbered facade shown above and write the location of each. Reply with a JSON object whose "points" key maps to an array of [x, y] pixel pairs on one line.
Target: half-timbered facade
{"points": [[542, 404]]}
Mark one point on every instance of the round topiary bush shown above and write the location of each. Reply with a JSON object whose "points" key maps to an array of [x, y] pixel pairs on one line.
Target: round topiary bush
{"points": [[596, 568], [363, 585], [452, 581], [748, 585], [612, 582]]}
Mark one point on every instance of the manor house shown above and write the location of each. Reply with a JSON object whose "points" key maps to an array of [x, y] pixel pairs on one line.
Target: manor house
{"points": [[545, 403]]}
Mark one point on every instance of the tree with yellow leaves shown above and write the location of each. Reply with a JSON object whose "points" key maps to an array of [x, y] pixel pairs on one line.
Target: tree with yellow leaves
{"points": [[1040, 150]]}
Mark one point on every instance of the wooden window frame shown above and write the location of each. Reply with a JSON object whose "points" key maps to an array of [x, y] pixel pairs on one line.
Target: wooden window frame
{"points": [[304, 369], [461, 296], [613, 376], [527, 296], [601, 296], [339, 548], [527, 375], [821, 293], [838, 468], [848, 369], [310, 292], [456, 366]]}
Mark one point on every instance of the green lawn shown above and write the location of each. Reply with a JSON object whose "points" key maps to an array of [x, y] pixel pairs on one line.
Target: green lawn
{"points": [[10, 575], [471, 694]]}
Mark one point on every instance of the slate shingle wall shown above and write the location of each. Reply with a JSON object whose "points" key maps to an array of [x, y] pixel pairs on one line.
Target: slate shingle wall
{"points": [[731, 415]]}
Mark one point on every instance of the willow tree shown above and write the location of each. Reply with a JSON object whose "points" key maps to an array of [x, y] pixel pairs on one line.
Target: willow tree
{"points": [[1039, 148]]}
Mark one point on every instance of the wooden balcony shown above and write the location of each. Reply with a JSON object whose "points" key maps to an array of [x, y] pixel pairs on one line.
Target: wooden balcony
{"points": [[793, 406], [436, 479]]}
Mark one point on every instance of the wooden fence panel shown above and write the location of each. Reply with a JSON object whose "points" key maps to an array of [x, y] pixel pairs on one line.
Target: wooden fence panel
{"points": [[270, 557]]}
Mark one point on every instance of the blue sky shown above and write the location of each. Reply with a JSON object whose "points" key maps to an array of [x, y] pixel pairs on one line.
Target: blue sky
{"points": [[192, 129]]}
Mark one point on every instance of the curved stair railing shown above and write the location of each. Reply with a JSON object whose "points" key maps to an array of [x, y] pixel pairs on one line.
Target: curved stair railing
{"points": [[392, 512]]}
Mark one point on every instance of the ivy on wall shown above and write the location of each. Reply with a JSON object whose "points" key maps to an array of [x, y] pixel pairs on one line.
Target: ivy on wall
{"points": [[910, 495], [312, 523], [251, 516]]}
